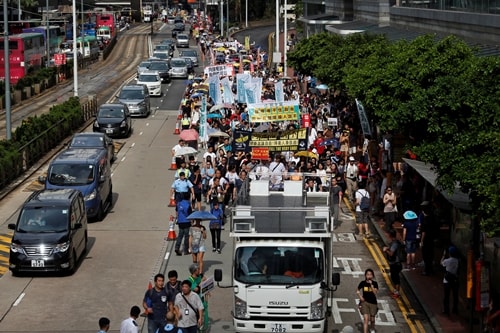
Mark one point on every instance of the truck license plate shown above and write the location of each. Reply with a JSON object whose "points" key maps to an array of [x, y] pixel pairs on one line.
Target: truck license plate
{"points": [[280, 328], [37, 263]]}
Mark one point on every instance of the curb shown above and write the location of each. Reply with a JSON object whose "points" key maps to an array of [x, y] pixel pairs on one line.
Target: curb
{"points": [[428, 313]]}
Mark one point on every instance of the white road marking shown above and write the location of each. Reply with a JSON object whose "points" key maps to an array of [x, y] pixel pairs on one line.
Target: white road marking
{"points": [[141, 133], [147, 124], [132, 145], [344, 237], [336, 311], [19, 299], [351, 266], [123, 158], [167, 255]]}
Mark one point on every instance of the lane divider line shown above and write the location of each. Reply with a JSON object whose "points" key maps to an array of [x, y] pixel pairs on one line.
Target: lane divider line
{"points": [[19, 299]]}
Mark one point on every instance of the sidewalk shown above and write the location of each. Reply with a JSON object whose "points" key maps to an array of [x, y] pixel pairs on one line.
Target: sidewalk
{"points": [[428, 290]]}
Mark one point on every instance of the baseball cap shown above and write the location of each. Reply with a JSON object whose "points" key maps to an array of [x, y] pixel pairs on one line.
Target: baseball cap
{"points": [[351, 159], [410, 215]]}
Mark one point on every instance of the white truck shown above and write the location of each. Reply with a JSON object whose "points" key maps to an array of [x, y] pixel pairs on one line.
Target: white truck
{"points": [[148, 13], [282, 274]]}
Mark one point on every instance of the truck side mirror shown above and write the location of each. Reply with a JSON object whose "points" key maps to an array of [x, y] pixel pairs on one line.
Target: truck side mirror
{"points": [[12, 226], [218, 275], [335, 279], [42, 179]]}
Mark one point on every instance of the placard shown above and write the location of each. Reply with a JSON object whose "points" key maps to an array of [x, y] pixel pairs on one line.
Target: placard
{"points": [[260, 153], [293, 140], [273, 112], [207, 285]]}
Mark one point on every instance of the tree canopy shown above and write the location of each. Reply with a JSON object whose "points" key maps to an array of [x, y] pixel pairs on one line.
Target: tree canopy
{"points": [[436, 92]]}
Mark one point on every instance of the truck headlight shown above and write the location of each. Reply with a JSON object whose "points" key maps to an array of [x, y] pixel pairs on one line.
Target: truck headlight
{"points": [[317, 309], [62, 247], [91, 195], [16, 248], [240, 308]]}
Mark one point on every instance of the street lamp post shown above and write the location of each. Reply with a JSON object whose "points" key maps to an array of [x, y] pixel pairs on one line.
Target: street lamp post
{"points": [[222, 18], [227, 19], [75, 52], [8, 125], [246, 13], [277, 33]]}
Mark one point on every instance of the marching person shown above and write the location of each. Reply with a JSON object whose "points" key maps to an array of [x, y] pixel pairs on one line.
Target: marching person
{"points": [[367, 293], [189, 308]]}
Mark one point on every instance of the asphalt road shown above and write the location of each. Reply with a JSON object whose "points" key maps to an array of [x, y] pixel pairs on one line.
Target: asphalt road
{"points": [[128, 247]]}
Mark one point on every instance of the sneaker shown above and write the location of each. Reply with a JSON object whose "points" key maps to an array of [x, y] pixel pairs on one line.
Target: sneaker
{"points": [[372, 331], [213, 250], [218, 251], [178, 252]]}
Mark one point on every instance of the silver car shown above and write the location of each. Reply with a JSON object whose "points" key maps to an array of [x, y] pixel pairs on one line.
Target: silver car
{"points": [[182, 40], [178, 68], [136, 97], [191, 54]]}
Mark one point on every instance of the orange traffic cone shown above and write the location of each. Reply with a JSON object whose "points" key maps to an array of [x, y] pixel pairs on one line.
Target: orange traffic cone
{"points": [[171, 232], [179, 116], [173, 165], [177, 128], [172, 202]]}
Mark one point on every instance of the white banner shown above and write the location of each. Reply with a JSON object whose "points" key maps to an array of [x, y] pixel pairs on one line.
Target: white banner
{"points": [[278, 92]]}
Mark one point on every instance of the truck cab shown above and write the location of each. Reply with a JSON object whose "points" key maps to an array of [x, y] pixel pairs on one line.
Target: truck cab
{"points": [[282, 275]]}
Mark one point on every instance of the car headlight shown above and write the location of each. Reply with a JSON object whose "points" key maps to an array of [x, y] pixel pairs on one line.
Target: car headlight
{"points": [[91, 195], [61, 247], [240, 308], [317, 309], [16, 248], [123, 124]]}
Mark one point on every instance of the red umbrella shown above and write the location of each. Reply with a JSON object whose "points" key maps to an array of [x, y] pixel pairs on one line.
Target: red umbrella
{"points": [[189, 135]]}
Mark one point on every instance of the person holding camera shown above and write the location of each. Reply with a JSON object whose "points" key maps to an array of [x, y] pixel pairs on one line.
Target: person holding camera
{"points": [[367, 293], [189, 309]]}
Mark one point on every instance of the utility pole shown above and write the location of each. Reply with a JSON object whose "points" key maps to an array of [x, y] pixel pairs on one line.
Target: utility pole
{"points": [[222, 18], [227, 19], [246, 13], [277, 33], [75, 52], [47, 34], [285, 38]]}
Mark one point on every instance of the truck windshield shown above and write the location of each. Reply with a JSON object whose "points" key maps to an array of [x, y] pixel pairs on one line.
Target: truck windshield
{"points": [[71, 174], [279, 265]]}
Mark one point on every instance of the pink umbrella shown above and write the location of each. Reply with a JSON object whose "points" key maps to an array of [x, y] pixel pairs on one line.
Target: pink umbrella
{"points": [[189, 135]]}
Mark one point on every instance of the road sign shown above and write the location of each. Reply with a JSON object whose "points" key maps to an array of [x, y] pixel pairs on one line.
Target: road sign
{"points": [[60, 59]]}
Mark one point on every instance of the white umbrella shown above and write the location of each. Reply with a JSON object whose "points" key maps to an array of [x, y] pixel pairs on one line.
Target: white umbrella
{"points": [[217, 107], [185, 151], [219, 134]]}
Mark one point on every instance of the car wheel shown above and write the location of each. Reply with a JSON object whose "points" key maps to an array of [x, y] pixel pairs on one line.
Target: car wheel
{"points": [[100, 212], [73, 260]]}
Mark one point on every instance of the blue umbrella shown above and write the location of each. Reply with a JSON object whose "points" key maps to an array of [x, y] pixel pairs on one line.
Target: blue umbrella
{"points": [[322, 86], [201, 215], [333, 142], [196, 95], [214, 115]]}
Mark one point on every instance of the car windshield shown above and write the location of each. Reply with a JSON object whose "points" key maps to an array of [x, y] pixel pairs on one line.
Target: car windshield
{"points": [[158, 65], [189, 53], [188, 61], [178, 63], [279, 265], [71, 174], [162, 47], [160, 55], [184, 37], [87, 141], [131, 94], [43, 219], [144, 64], [111, 113], [148, 78]]}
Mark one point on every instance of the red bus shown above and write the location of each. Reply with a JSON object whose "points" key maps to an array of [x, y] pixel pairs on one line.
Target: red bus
{"points": [[27, 54], [106, 20]]}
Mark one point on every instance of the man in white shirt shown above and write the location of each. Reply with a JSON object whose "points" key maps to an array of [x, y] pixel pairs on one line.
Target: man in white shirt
{"points": [[351, 178], [130, 325], [209, 152], [277, 169], [175, 150], [362, 216]]}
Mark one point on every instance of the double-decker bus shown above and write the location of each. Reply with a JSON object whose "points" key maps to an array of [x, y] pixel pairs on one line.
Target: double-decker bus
{"points": [[56, 35], [27, 54]]}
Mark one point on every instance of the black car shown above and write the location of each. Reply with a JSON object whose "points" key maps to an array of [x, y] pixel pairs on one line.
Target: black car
{"points": [[190, 65], [162, 68], [114, 120], [94, 140]]}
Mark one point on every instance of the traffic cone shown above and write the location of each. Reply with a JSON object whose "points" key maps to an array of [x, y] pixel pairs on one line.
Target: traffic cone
{"points": [[171, 232], [150, 285], [173, 165], [172, 202], [177, 128], [179, 116]]}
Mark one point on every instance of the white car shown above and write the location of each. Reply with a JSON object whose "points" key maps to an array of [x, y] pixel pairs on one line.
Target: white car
{"points": [[152, 80], [182, 40]]}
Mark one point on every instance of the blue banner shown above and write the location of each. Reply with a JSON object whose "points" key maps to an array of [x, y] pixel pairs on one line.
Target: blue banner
{"points": [[241, 79]]}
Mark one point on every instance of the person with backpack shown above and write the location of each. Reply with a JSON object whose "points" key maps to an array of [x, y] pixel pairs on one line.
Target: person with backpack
{"points": [[362, 210], [394, 258]]}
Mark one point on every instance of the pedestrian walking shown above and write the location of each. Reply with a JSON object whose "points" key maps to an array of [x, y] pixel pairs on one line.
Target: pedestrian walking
{"points": [[362, 203], [242, 189], [450, 280], [196, 179], [429, 228], [189, 308], [156, 302], [181, 188], [216, 227], [410, 227], [351, 178], [103, 325], [173, 285], [390, 208], [170, 325], [367, 293], [197, 236], [335, 200], [183, 211], [395, 265], [130, 325]]}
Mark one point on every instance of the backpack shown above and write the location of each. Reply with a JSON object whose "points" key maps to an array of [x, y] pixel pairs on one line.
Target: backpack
{"points": [[364, 203]]}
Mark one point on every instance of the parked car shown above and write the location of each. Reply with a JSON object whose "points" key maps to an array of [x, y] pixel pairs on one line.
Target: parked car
{"points": [[152, 80], [178, 68], [191, 54], [162, 68], [94, 140], [114, 120], [136, 98], [51, 232], [182, 40]]}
